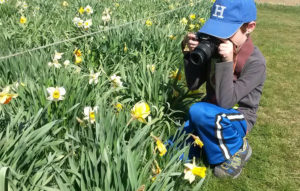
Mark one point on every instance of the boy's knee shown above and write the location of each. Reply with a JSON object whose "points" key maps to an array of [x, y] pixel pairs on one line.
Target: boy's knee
{"points": [[197, 110]]}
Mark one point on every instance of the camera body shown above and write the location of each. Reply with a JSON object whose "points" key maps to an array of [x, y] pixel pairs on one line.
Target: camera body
{"points": [[207, 49]]}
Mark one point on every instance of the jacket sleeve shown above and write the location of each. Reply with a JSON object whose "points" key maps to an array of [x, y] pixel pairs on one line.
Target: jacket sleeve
{"points": [[228, 92], [195, 75]]}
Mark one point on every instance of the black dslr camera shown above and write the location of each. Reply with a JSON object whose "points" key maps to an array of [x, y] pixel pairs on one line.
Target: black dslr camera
{"points": [[207, 49]]}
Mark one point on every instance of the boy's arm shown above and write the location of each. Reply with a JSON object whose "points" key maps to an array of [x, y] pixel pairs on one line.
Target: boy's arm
{"points": [[228, 92]]}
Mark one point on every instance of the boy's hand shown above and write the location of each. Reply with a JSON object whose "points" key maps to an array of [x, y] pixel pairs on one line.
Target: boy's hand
{"points": [[226, 50], [191, 41]]}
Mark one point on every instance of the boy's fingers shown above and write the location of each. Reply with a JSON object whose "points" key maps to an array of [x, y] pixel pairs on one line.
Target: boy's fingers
{"points": [[193, 42]]}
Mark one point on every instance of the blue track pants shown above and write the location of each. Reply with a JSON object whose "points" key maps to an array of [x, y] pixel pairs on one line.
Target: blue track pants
{"points": [[221, 130]]}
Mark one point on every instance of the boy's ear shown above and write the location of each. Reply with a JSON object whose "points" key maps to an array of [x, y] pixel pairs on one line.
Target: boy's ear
{"points": [[250, 27]]}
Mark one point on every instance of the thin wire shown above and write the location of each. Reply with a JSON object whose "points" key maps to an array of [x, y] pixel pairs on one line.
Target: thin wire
{"points": [[90, 34]]}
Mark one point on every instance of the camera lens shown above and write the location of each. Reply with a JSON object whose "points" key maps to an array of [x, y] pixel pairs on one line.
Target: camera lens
{"points": [[201, 54]]}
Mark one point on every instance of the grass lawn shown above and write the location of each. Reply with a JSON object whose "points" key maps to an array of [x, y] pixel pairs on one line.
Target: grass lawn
{"points": [[275, 138]]}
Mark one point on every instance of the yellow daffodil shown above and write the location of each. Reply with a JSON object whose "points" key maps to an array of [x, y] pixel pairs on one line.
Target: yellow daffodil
{"points": [[192, 16], [148, 23], [81, 10], [89, 113], [183, 21], [6, 96], [156, 170], [197, 141], [171, 7], [78, 59], [94, 77], [174, 74], [77, 52], [172, 37], [160, 146], [56, 94], [140, 111], [117, 5], [125, 48], [88, 9], [116, 81], [192, 171], [191, 27], [23, 20], [65, 3], [151, 68], [118, 106], [213, 1], [202, 21]]}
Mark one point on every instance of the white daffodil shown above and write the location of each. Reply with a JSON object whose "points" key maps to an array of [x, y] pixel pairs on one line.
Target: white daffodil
{"points": [[106, 15], [56, 94], [88, 9], [57, 55], [192, 171], [78, 22], [89, 113], [67, 63], [55, 63], [94, 77], [116, 80], [2, 1], [87, 24]]}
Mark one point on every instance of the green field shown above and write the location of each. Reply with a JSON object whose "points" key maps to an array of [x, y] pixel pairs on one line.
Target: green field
{"points": [[53, 145]]}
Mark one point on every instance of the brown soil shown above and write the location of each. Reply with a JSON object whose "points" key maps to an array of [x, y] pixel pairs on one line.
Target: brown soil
{"points": [[281, 2]]}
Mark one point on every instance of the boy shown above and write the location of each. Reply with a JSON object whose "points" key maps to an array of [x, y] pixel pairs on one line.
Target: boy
{"points": [[237, 80]]}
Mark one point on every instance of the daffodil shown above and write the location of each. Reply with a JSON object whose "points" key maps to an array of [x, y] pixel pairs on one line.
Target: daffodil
{"points": [[148, 23], [172, 37], [77, 52], [183, 21], [118, 106], [66, 63], [125, 48], [55, 63], [94, 77], [174, 74], [6, 96], [2, 1], [56, 94], [202, 21], [117, 5], [116, 81], [88, 9], [57, 55], [87, 24], [191, 27], [171, 7], [151, 67], [197, 141], [23, 20], [65, 3], [140, 111], [81, 10], [192, 171], [156, 170], [160, 146], [89, 113], [78, 59], [106, 15], [213, 1], [192, 16]]}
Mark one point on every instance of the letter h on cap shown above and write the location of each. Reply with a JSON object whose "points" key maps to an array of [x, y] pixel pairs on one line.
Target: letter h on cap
{"points": [[219, 10]]}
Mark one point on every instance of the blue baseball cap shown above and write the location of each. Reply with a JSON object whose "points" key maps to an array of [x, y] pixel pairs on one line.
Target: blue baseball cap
{"points": [[227, 16]]}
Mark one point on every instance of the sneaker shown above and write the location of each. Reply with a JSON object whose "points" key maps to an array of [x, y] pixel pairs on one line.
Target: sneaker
{"points": [[233, 167]]}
